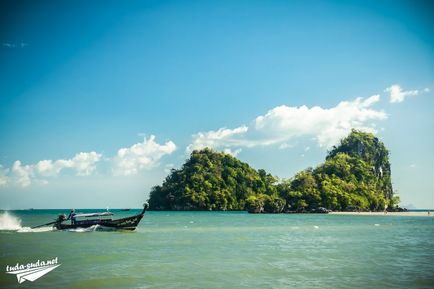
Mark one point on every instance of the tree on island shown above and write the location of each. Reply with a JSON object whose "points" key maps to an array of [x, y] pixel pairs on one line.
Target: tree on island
{"points": [[211, 180], [355, 176]]}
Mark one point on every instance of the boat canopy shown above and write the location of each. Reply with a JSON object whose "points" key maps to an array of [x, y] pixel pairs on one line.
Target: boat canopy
{"points": [[94, 215]]}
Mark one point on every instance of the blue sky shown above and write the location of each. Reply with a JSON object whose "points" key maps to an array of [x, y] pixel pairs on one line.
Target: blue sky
{"points": [[99, 99]]}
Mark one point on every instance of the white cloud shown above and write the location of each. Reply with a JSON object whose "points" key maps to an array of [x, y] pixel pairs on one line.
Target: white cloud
{"points": [[231, 152], [128, 161], [13, 45], [46, 168], [3, 176], [283, 123], [398, 95], [82, 163], [22, 174], [285, 146], [141, 156], [327, 126], [10, 45], [223, 137]]}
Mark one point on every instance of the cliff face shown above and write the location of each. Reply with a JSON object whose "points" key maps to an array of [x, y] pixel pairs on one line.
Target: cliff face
{"points": [[355, 176], [369, 149]]}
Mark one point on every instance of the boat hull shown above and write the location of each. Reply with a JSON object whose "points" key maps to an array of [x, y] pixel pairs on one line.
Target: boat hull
{"points": [[128, 223]]}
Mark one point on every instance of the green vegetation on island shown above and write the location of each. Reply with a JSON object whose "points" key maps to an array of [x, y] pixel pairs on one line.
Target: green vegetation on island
{"points": [[355, 176]]}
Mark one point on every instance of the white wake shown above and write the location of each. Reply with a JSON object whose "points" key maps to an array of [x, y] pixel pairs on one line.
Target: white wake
{"points": [[83, 230], [9, 222]]}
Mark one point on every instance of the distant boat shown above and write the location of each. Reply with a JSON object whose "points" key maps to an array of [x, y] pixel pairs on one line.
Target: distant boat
{"points": [[125, 210], [82, 221]]}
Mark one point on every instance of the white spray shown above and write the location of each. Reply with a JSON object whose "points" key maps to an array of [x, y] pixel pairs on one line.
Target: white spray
{"points": [[9, 222]]}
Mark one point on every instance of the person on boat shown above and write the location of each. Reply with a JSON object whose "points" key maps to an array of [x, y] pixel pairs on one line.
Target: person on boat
{"points": [[72, 216]]}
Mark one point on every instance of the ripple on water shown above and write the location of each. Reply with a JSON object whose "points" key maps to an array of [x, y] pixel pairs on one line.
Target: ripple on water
{"points": [[236, 250]]}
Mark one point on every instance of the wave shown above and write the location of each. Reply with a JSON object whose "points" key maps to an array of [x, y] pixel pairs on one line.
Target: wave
{"points": [[9, 222], [93, 228], [36, 230], [83, 230]]}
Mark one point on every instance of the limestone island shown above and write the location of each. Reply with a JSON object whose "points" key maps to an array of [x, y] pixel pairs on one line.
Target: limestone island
{"points": [[355, 176]]}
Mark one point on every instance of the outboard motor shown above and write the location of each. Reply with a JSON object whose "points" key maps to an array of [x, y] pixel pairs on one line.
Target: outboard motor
{"points": [[61, 218]]}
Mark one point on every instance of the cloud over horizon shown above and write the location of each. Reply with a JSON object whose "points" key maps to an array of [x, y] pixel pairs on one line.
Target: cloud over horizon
{"points": [[222, 137], [279, 126], [397, 94], [284, 123], [144, 155], [83, 164], [128, 161]]}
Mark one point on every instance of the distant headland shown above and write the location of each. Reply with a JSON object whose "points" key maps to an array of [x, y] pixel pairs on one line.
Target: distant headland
{"points": [[355, 176]]}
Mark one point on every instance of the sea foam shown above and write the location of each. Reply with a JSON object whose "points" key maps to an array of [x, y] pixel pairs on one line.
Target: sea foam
{"points": [[9, 222], [90, 229]]}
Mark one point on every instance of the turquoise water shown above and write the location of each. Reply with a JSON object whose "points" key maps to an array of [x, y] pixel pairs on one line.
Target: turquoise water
{"points": [[228, 250]]}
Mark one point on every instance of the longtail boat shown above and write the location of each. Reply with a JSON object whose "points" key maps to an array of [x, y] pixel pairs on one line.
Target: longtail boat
{"points": [[128, 223]]}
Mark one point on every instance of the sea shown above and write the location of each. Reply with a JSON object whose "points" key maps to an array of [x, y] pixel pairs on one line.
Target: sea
{"points": [[224, 250]]}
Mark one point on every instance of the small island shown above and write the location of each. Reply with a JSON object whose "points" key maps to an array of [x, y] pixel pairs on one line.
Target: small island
{"points": [[355, 176]]}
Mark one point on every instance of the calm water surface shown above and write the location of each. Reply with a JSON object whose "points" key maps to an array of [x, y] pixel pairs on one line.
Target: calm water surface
{"points": [[227, 250]]}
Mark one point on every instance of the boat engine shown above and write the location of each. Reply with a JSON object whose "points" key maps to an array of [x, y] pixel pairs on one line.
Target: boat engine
{"points": [[61, 218]]}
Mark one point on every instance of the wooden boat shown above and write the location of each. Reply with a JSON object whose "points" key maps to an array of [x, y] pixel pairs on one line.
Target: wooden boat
{"points": [[128, 223]]}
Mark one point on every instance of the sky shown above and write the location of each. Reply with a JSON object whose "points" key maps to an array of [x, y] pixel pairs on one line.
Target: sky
{"points": [[99, 100]]}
